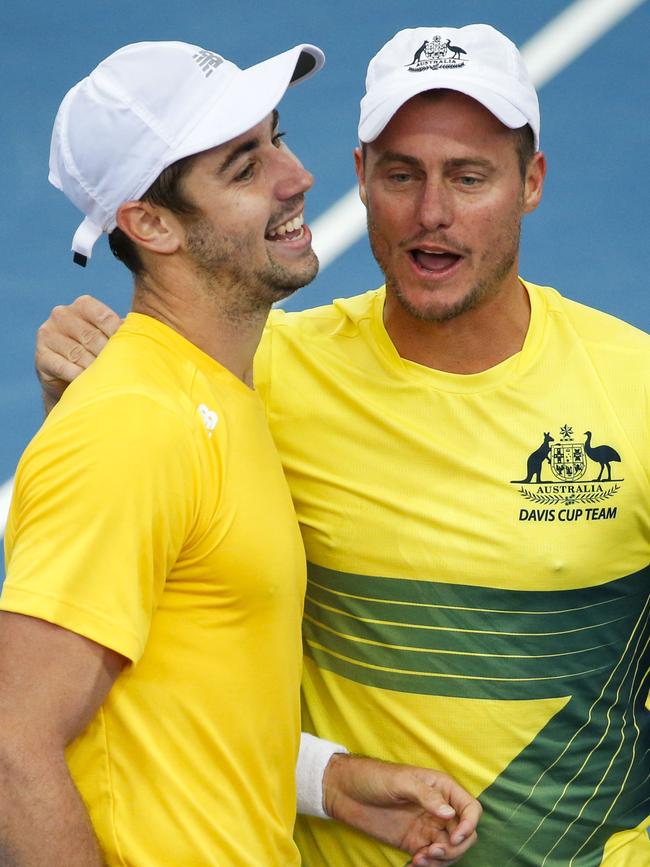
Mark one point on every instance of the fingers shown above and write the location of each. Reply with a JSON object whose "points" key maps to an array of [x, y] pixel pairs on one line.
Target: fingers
{"points": [[442, 851], [61, 357], [439, 794], [96, 314], [69, 341], [73, 337], [443, 799], [468, 819], [467, 809], [87, 321], [431, 797]]}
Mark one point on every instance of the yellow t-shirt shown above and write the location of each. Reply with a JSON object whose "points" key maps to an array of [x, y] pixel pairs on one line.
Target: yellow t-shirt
{"points": [[478, 572], [151, 515]]}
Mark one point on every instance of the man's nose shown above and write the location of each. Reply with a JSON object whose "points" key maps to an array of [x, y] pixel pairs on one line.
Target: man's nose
{"points": [[436, 208], [294, 179]]}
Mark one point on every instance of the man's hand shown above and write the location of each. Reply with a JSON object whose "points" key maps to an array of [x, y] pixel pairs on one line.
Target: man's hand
{"points": [[423, 812], [69, 341]]}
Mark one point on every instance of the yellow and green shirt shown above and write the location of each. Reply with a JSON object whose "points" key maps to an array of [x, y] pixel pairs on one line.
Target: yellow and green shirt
{"points": [[478, 572], [151, 515]]}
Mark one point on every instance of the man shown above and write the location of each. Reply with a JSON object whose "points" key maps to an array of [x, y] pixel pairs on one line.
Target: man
{"points": [[478, 561], [150, 635]]}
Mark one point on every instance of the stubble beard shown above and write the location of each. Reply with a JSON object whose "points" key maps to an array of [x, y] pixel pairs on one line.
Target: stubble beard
{"points": [[242, 290], [491, 279]]}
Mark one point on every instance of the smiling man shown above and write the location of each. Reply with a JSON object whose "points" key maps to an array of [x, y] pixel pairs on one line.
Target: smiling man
{"points": [[150, 650], [477, 594], [131, 577]]}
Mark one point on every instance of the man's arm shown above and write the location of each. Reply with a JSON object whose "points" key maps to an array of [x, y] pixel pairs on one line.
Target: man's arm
{"points": [[69, 341], [421, 811], [52, 682]]}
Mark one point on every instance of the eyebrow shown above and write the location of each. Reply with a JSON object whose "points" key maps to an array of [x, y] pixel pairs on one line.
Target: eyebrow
{"points": [[461, 162], [454, 163], [396, 157], [247, 146]]}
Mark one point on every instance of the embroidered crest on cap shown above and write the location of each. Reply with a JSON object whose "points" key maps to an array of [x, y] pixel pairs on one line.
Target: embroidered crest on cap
{"points": [[437, 54]]}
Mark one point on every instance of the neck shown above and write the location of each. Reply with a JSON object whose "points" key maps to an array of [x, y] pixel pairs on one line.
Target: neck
{"points": [[204, 318], [471, 342]]}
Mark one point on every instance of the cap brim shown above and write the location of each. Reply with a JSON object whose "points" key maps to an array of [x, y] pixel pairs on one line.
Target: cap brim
{"points": [[377, 117], [250, 97]]}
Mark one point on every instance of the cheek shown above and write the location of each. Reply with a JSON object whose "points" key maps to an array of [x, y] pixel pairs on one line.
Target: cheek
{"points": [[244, 211], [390, 216], [495, 219]]}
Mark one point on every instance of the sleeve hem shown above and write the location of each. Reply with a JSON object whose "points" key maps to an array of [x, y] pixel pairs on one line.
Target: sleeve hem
{"points": [[90, 624]]}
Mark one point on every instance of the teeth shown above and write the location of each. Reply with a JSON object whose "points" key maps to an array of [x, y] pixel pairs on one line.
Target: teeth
{"points": [[289, 226]]}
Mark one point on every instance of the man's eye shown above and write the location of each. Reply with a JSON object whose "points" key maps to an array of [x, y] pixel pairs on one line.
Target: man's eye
{"points": [[400, 177], [276, 138], [246, 173], [468, 181]]}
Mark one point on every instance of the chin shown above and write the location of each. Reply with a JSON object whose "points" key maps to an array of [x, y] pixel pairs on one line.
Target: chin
{"points": [[282, 292], [288, 280], [428, 306]]}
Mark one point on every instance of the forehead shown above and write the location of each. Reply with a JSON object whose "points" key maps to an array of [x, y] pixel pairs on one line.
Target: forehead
{"points": [[256, 133], [442, 115]]}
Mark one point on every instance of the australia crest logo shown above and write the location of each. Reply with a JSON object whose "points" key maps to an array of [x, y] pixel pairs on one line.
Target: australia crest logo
{"points": [[437, 53], [569, 469]]}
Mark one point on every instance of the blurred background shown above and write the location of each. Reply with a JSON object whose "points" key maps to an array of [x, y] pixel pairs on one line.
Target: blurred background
{"points": [[588, 238]]}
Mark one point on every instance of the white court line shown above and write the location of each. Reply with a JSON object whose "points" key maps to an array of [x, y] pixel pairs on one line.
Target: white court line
{"points": [[571, 33], [546, 54]]}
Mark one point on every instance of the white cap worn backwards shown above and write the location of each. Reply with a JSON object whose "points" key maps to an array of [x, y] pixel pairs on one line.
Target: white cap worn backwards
{"points": [[148, 105], [476, 60]]}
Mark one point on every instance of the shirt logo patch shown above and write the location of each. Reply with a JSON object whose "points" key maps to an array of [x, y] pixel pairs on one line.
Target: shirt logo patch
{"points": [[208, 417], [566, 471], [436, 54]]}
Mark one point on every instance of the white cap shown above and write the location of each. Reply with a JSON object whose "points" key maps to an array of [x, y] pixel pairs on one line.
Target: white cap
{"points": [[148, 105], [476, 60]]}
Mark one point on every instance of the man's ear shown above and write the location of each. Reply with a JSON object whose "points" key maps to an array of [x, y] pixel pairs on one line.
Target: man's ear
{"points": [[361, 174], [149, 226], [534, 182]]}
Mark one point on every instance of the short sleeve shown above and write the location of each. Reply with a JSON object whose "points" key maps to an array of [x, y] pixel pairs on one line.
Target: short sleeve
{"points": [[104, 500]]}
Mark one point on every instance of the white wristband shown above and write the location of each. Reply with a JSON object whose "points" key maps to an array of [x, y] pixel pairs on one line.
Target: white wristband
{"points": [[313, 758]]}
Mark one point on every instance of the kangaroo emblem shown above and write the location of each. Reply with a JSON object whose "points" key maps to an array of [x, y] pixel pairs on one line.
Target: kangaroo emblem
{"points": [[535, 461], [418, 54]]}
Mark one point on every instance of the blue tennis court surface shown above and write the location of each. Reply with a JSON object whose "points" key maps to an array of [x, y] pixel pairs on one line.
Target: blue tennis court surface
{"points": [[588, 238]]}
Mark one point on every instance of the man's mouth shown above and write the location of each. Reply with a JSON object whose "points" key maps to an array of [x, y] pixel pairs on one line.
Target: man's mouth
{"points": [[436, 262], [291, 230]]}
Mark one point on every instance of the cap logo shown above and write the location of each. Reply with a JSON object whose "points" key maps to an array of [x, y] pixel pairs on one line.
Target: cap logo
{"points": [[207, 61], [437, 54]]}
